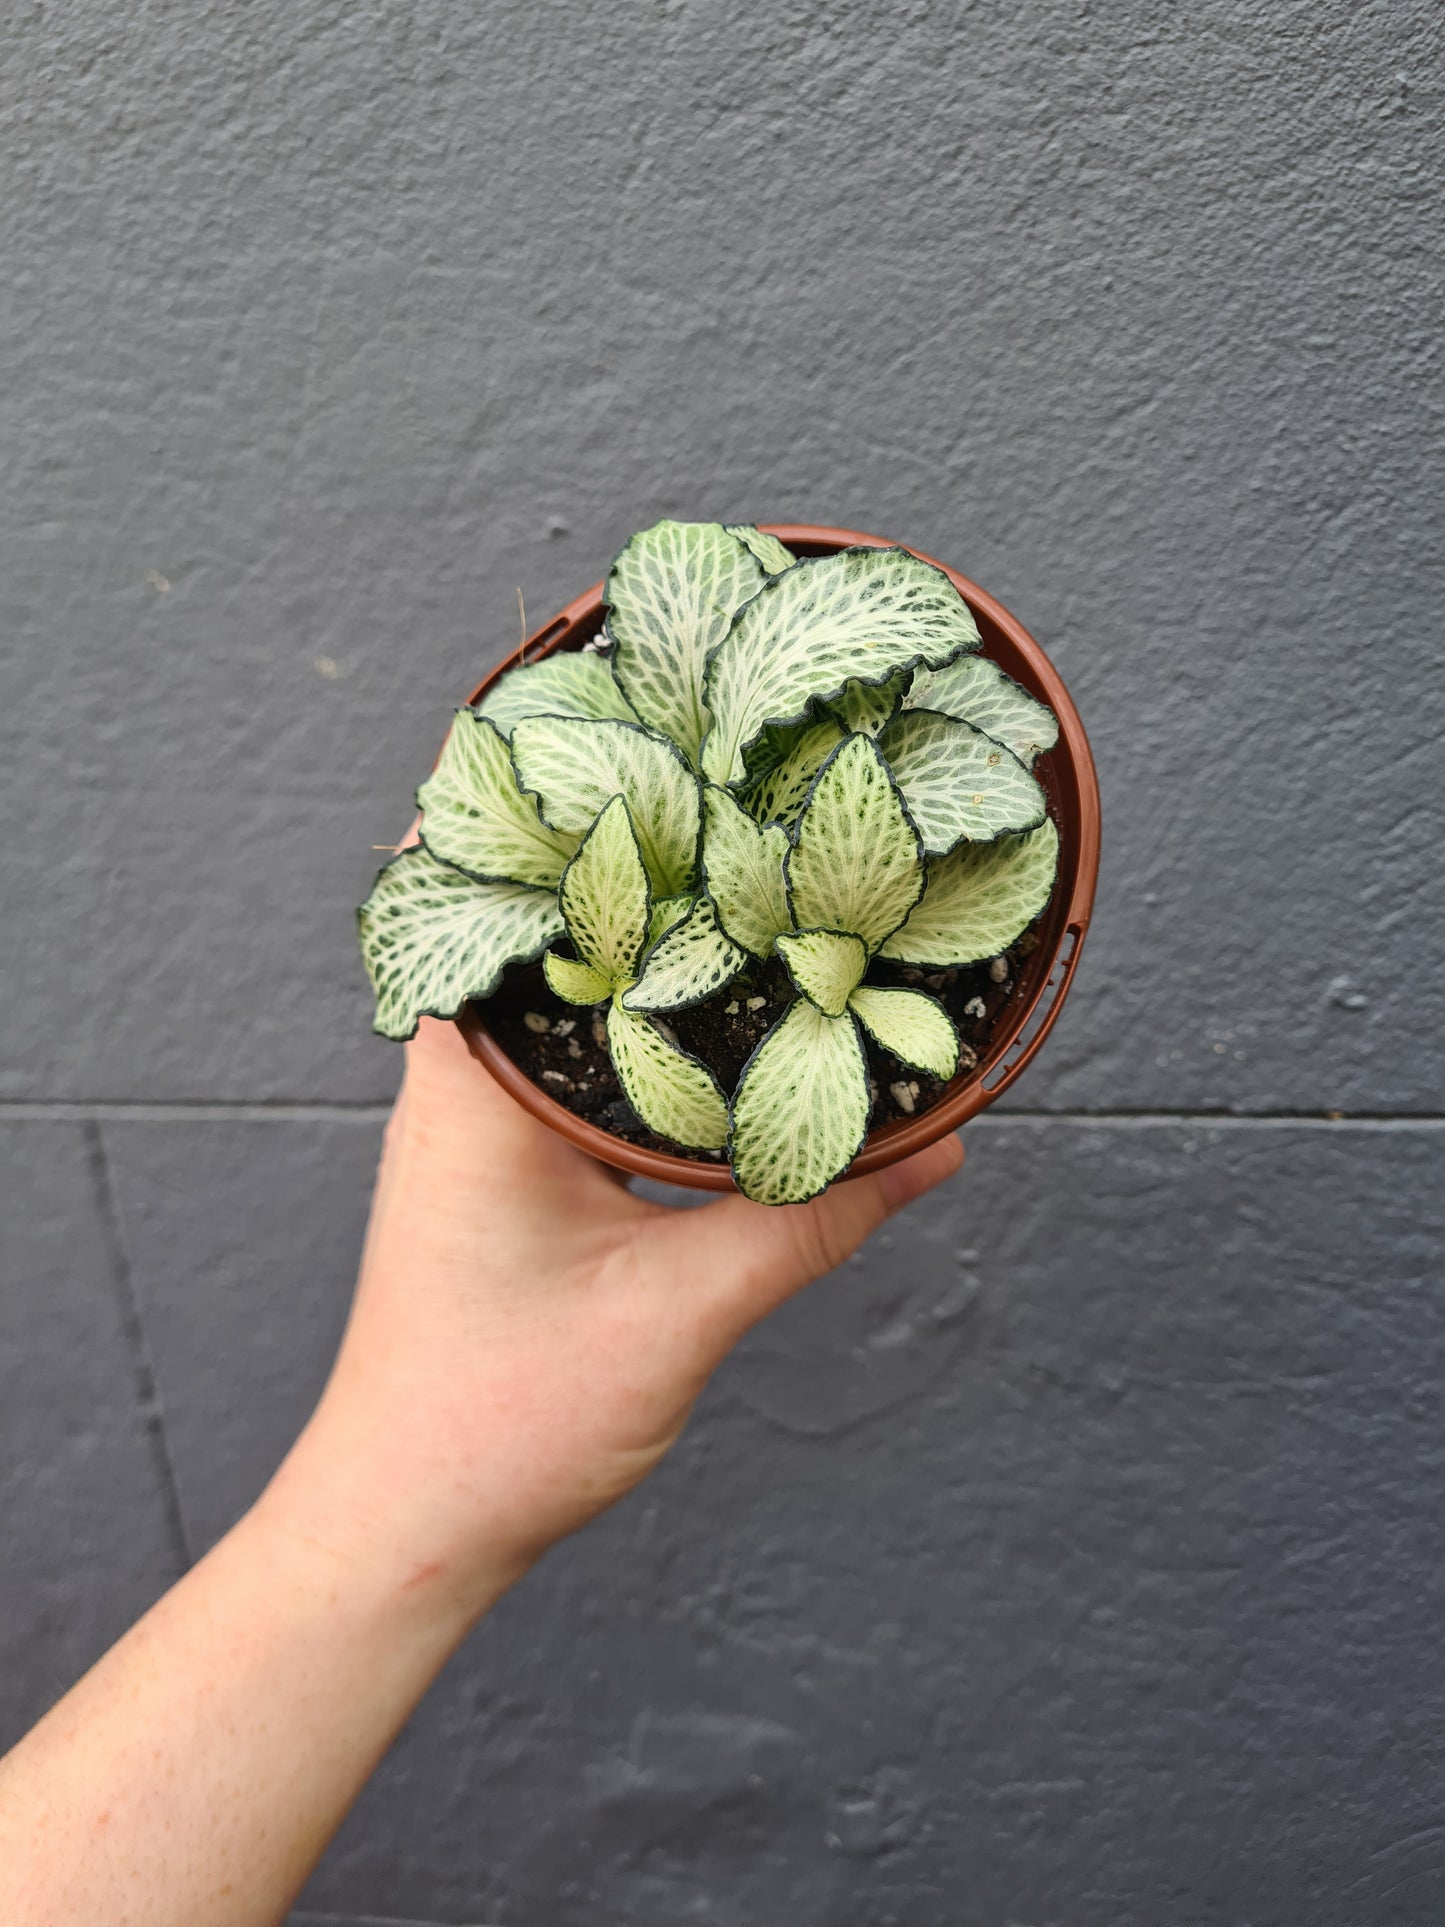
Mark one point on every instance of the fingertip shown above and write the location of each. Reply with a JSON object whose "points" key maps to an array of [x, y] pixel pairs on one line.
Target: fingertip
{"points": [[901, 1183]]}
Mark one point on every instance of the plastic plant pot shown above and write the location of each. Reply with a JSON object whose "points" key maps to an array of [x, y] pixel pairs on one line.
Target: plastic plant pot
{"points": [[1071, 786]]}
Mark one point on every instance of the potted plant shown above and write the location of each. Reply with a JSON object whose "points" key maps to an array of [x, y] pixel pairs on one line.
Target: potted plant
{"points": [[766, 861]]}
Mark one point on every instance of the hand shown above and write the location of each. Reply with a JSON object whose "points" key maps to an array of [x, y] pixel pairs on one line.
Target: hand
{"points": [[528, 1337]]}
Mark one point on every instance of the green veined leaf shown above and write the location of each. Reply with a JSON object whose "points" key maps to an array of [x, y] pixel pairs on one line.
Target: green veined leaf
{"points": [[667, 911], [672, 595], [432, 937], [858, 616], [914, 1027], [979, 898], [575, 983], [957, 782], [475, 816], [800, 1113], [605, 898], [780, 794], [574, 683], [743, 872], [692, 960], [674, 1094], [977, 691], [574, 766], [869, 707], [855, 863], [826, 966], [773, 555]]}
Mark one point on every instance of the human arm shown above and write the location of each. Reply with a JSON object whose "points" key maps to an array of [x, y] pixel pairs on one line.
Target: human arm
{"points": [[526, 1342]]}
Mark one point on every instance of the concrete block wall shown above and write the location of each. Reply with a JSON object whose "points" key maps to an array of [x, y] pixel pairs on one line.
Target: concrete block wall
{"points": [[1075, 1554]]}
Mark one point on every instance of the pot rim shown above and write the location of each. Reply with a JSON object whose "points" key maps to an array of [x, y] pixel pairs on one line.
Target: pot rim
{"points": [[1072, 787]]}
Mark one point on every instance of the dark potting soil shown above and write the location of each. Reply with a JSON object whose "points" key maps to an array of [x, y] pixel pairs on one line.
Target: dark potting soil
{"points": [[563, 1048]]}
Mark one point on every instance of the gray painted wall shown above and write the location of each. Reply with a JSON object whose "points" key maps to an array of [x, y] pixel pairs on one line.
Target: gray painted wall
{"points": [[1076, 1554]]}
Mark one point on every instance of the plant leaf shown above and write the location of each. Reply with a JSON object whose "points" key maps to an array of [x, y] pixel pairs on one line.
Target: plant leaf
{"points": [[959, 783], [774, 555], [475, 817], [977, 691], [870, 707], [574, 766], [743, 872], [689, 962], [858, 616], [913, 1026], [573, 982], [781, 793], [672, 594], [855, 863], [573, 683], [826, 966], [667, 911], [979, 898], [800, 1113], [432, 937], [674, 1094], [605, 898]]}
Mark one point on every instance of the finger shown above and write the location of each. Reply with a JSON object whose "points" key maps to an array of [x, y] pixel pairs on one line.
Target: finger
{"points": [[733, 1262]]}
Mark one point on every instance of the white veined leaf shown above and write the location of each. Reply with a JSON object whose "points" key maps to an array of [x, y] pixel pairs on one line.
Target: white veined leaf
{"points": [[826, 965], [572, 683], [574, 766], [672, 594], [432, 937], [605, 899], [742, 867], [979, 898], [573, 982], [855, 863], [870, 707], [774, 555], [913, 1026], [781, 793], [667, 911], [959, 783], [800, 1113], [475, 817], [977, 691], [858, 616], [689, 962], [674, 1094]]}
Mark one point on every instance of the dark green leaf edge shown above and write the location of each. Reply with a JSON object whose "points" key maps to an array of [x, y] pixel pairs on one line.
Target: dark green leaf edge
{"points": [[795, 835], [867, 1122], [646, 884], [649, 1017], [822, 930], [705, 888], [485, 876], [690, 1003], [976, 842], [912, 992]]}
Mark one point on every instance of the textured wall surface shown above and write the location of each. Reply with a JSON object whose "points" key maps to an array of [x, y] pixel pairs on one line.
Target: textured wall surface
{"points": [[1076, 1554]]}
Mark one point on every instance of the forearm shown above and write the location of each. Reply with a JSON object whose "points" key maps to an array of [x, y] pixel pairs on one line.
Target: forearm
{"points": [[197, 1773]]}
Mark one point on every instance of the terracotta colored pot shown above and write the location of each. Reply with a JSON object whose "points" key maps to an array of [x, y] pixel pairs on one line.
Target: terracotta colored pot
{"points": [[1068, 777]]}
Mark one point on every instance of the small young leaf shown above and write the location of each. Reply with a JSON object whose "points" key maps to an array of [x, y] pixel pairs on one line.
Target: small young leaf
{"points": [[780, 794], [870, 707], [672, 594], [432, 937], [855, 863], [979, 898], [475, 816], [575, 983], [674, 1094], [957, 782], [573, 767], [773, 555], [743, 872], [977, 691], [825, 965], [858, 616], [667, 911], [800, 1112], [692, 960], [575, 683], [914, 1027], [605, 898]]}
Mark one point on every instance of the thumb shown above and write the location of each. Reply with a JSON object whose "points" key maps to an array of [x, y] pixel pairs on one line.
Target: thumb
{"points": [[744, 1259]]}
